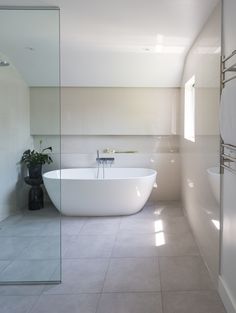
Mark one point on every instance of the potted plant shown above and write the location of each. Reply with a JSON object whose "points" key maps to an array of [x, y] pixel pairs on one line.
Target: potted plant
{"points": [[34, 160]]}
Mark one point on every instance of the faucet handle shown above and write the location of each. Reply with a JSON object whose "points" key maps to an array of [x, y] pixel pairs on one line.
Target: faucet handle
{"points": [[108, 150], [98, 154]]}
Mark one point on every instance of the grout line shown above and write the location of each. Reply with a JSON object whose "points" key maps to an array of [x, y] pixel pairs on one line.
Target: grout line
{"points": [[34, 304], [107, 293], [108, 267], [83, 225], [161, 291]]}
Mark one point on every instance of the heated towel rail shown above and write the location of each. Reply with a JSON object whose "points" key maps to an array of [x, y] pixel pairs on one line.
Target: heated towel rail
{"points": [[228, 152]]}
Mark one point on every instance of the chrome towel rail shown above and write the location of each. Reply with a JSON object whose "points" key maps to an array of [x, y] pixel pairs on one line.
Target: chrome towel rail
{"points": [[227, 68], [228, 168], [228, 158], [228, 152], [231, 147], [224, 81], [224, 59]]}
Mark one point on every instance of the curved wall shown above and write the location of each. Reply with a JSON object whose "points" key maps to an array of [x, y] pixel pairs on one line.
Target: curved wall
{"points": [[203, 62]]}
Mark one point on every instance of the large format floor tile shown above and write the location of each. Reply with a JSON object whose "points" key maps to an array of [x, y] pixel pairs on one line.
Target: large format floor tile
{"points": [[130, 302], [85, 303], [160, 210], [137, 226], [72, 225], [11, 220], [176, 245], [144, 263], [194, 302], [101, 226], [51, 228], [132, 274], [174, 225], [3, 265], [135, 245], [80, 276], [92, 246], [184, 273], [16, 304], [23, 228], [21, 290], [42, 247], [29, 270], [10, 247]]}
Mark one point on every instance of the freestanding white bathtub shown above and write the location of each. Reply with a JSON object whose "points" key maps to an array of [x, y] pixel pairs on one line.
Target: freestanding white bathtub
{"points": [[122, 191]]}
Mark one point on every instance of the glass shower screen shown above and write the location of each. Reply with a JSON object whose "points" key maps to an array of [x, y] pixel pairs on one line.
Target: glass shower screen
{"points": [[30, 231]]}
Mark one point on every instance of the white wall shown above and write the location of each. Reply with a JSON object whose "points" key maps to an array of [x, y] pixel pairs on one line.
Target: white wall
{"points": [[105, 111], [144, 120], [203, 61], [14, 139], [158, 152], [227, 285], [45, 111]]}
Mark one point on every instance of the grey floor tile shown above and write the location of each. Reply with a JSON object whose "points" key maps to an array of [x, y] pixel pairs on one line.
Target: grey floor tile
{"points": [[184, 273], [65, 243], [11, 220], [194, 302], [29, 270], [21, 290], [40, 218], [174, 225], [10, 247], [23, 228], [48, 211], [135, 245], [80, 276], [137, 226], [161, 210], [92, 246], [132, 274], [52, 228], [3, 265], [176, 245], [84, 303], [72, 225], [16, 304], [130, 302], [101, 226], [42, 247]]}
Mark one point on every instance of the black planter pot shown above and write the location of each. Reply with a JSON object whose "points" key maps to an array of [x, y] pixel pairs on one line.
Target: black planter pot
{"points": [[35, 171]]}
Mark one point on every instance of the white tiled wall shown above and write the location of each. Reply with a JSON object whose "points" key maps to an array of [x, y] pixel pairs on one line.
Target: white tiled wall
{"points": [[144, 120], [105, 111], [158, 152], [203, 62]]}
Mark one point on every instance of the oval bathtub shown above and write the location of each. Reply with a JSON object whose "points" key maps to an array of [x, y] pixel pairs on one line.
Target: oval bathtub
{"points": [[123, 191]]}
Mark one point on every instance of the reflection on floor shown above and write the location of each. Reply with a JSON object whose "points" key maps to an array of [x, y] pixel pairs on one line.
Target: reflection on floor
{"points": [[144, 263]]}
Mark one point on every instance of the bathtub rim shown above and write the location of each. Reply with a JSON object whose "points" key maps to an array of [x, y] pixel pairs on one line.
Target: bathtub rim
{"points": [[154, 173]]}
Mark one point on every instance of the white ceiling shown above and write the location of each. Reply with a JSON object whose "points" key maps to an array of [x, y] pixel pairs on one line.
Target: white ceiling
{"points": [[119, 42]]}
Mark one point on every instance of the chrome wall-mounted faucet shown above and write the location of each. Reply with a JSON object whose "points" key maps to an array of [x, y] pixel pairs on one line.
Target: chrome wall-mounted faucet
{"points": [[103, 161]]}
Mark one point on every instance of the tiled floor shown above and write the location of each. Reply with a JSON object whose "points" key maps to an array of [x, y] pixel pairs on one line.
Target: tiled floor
{"points": [[145, 263], [30, 246]]}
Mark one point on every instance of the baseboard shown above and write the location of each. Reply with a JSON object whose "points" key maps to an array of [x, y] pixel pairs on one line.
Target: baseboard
{"points": [[226, 297]]}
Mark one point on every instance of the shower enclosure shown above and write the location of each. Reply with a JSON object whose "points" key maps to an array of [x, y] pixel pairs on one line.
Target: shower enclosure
{"points": [[30, 226]]}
